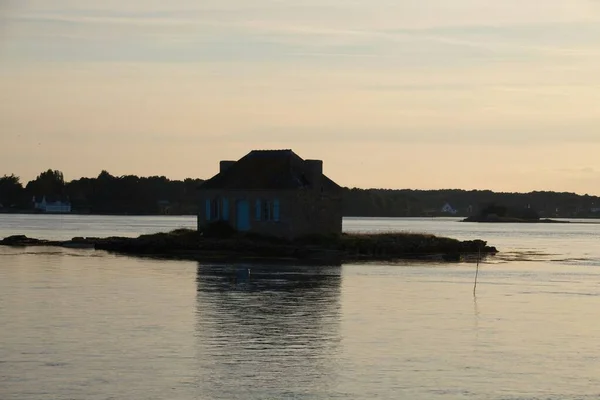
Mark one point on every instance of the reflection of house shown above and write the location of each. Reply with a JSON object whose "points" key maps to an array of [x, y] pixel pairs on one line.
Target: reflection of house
{"points": [[273, 192], [447, 208], [56, 206], [270, 315]]}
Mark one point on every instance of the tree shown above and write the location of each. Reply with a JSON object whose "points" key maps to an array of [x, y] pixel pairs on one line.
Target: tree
{"points": [[494, 209], [11, 191], [48, 183]]}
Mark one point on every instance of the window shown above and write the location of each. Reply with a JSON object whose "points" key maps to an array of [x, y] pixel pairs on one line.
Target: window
{"points": [[267, 210], [217, 209]]}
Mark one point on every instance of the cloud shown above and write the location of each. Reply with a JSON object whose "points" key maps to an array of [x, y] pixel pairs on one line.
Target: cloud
{"points": [[401, 33], [579, 171]]}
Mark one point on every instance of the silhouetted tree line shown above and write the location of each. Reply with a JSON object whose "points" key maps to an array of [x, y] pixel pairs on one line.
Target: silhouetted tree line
{"points": [[422, 203], [105, 194], [525, 213], [130, 194]]}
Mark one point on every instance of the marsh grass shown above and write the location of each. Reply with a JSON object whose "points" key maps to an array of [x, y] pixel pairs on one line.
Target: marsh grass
{"points": [[387, 243]]}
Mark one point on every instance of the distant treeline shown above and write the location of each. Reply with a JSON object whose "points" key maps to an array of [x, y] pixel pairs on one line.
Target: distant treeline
{"points": [[130, 194], [105, 194], [425, 203]]}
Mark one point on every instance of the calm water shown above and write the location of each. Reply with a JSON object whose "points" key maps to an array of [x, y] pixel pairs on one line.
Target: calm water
{"points": [[80, 324]]}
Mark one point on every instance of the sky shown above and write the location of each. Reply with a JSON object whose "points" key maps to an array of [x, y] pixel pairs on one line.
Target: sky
{"points": [[422, 94]]}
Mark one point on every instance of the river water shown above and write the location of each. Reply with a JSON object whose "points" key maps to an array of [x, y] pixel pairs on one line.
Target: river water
{"points": [[82, 324]]}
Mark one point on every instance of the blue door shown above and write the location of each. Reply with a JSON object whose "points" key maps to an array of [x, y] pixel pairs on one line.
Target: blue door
{"points": [[242, 215]]}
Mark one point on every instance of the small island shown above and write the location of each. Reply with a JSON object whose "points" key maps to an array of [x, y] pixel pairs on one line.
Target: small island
{"points": [[497, 213], [219, 244], [275, 206]]}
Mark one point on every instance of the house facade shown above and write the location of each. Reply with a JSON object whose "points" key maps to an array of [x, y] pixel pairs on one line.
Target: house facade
{"points": [[272, 192], [448, 209], [55, 207]]}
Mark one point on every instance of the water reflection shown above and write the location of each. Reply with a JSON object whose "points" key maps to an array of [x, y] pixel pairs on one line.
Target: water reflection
{"points": [[271, 334]]}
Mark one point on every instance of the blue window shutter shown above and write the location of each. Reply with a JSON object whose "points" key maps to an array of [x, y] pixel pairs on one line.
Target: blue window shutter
{"points": [[276, 210], [225, 209], [257, 210], [208, 209]]}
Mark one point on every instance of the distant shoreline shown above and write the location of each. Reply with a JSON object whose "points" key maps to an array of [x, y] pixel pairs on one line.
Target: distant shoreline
{"points": [[508, 220], [592, 220], [2, 212]]}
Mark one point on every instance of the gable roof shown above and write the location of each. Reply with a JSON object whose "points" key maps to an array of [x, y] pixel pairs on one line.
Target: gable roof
{"points": [[52, 199], [266, 170]]}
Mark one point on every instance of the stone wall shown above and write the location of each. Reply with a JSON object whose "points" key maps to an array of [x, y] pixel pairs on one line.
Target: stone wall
{"points": [[301, 212], [281, 228], [317, 213]]}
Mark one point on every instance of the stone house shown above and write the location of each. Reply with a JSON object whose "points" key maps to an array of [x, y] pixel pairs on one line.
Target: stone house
{"points": [[272, 192]]}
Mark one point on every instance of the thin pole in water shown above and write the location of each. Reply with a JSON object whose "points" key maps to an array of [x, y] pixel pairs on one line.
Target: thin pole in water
{"points": [[477, 270]]}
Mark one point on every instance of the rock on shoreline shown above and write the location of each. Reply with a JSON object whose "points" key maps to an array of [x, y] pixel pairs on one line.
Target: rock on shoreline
{"points": [[345, 248]]}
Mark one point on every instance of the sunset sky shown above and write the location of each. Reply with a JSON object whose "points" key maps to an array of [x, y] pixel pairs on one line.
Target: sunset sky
{"points": [[471, 94]]}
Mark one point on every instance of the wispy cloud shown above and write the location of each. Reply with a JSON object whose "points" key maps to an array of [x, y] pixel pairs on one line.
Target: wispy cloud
{"points": [[467, 31], [579, 171]]}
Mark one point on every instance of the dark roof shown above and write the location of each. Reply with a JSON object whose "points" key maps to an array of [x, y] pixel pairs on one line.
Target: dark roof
{"points": [[52, 198], [266, 170]]}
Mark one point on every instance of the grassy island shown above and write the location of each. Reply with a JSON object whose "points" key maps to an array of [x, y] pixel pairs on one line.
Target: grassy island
{"points": [[499, 213], [232, 247]]}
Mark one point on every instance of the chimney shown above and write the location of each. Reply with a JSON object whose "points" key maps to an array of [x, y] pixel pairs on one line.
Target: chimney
{"points": [[225, 165], [314, 173]]}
